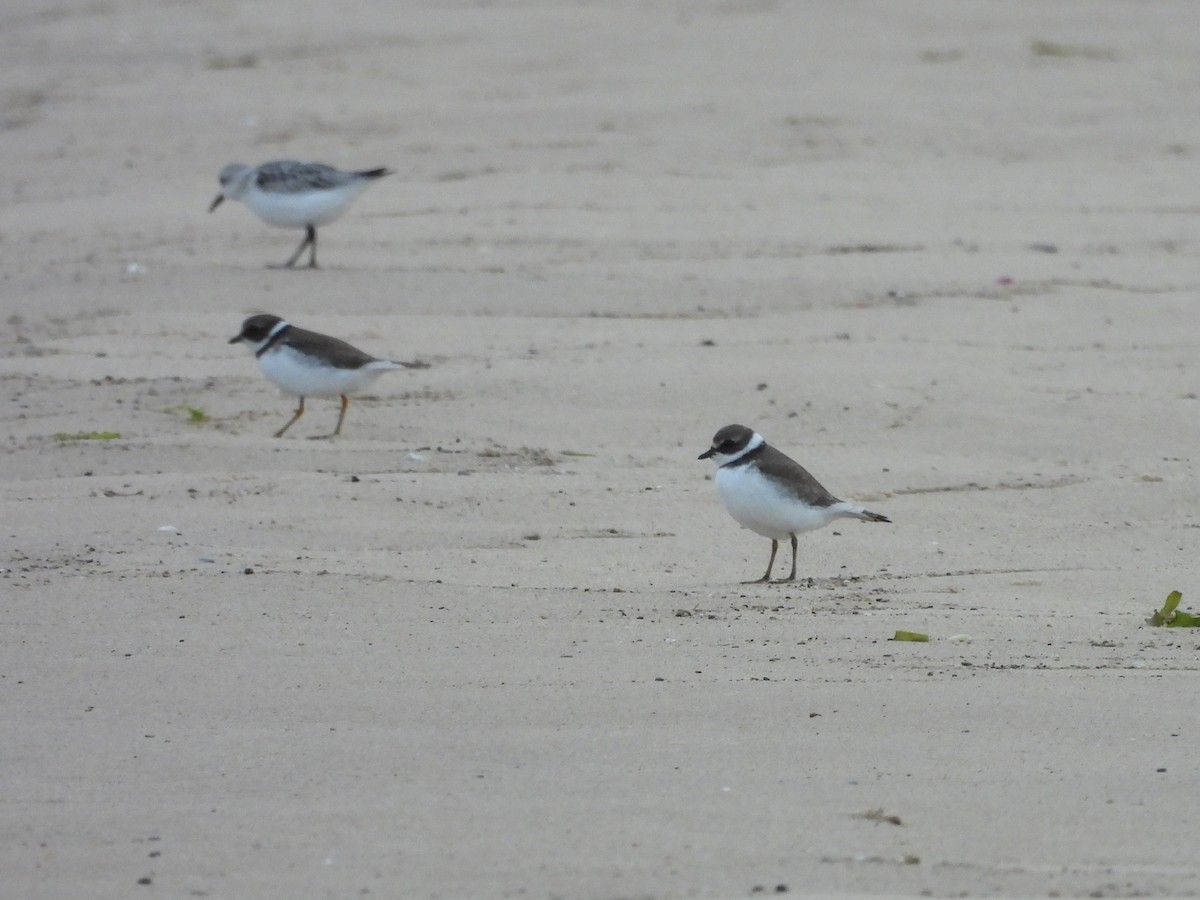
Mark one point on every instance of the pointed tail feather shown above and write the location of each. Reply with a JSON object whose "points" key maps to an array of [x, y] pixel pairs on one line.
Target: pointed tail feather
{"points": [[845, 510]]}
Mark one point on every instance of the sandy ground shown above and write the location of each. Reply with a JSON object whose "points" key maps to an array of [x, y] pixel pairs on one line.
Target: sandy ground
{"points": [[492, 642]]}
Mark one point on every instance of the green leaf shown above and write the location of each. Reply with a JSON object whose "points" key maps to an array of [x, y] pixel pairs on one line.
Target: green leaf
{"points": [[1170, 616], [87, 436], [910, 636], [1167, 613]]}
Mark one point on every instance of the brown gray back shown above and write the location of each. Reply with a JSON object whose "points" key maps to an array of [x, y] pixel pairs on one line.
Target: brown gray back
{"points": [[794, 478], [335, 350]]}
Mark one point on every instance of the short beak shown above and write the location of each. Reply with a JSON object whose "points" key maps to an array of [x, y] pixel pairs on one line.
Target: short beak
{"points": [[235, 339], [707, 453], [217, 202]]}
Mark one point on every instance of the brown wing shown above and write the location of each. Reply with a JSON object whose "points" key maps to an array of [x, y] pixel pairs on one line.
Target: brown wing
{"points": [[338, 352], [797, 479]]}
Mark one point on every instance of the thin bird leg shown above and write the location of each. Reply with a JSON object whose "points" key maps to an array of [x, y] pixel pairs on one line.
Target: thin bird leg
{"points": [[299, 413], [770, 564], [341, 415], [792, 577], [310, 240]]}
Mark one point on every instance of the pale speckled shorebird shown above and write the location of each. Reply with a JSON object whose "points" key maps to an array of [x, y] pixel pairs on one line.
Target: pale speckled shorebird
{"points": [[772, 494], [291, 194], [307, 364]]}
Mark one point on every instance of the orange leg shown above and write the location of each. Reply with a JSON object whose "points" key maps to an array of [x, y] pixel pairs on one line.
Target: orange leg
{"points": [[341, 415], [299, 413]]}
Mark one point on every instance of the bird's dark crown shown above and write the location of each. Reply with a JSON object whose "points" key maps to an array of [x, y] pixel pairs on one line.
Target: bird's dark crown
{"points": [[256, 328], [732, 438]]}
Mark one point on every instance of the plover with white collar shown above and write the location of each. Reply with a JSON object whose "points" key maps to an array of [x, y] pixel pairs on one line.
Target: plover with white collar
{"points": [[291, 194], [307, 364], [772, 494]]}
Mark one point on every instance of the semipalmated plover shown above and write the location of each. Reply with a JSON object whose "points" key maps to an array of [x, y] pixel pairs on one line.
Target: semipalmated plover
{"points": [[772, 494], [290, 194], [307, 364]]}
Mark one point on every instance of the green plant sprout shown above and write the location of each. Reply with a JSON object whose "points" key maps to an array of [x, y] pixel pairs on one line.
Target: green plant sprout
{"points": [[1172, 617], [87, 436]]}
